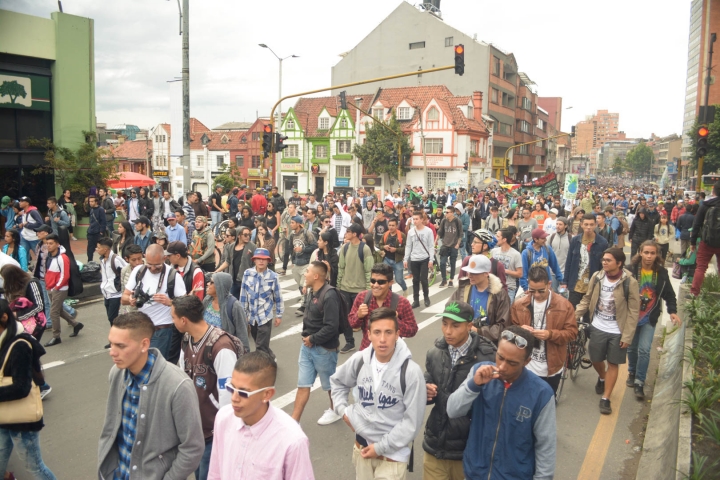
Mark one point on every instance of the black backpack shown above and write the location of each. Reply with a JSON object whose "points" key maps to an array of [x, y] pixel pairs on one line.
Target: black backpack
{"points": [[343, 323], [361, 252], [711, 227], [170, 280]]}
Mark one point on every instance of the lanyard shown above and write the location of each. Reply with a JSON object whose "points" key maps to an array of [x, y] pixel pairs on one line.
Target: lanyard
{"points": [[542, 320]]}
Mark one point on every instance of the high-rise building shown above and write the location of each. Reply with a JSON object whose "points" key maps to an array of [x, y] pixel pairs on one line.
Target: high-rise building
{"points": [[592, 133]]}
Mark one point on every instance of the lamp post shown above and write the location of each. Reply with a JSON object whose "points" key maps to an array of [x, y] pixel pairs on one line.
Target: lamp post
{"points": [[184, 12], [279, 115]]}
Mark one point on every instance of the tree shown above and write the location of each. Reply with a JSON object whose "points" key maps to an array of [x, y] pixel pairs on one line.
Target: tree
{"points": [[618, 167], [711, 163], [13, 90], [231, 176], [639, 160], [77, 170], [381, 146]]}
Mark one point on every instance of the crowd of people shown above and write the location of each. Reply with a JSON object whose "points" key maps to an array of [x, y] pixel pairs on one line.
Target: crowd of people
{"points": [[187, 394]]}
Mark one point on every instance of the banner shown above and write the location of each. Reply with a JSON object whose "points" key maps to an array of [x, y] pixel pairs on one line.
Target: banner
{"points": [[571, 186]]}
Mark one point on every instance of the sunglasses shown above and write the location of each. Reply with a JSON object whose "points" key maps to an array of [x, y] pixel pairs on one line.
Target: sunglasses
{"points": [[378, 281], [519, 341], [243, 393]]}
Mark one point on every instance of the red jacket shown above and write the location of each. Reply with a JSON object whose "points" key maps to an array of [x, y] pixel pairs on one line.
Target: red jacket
{"points": [[57, 272], [405, 316], [676, 213], [258, 204]]}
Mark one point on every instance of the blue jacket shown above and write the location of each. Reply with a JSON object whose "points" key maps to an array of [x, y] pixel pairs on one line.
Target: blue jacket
{"points": [[572, 264], [98, 223], [545, 257], [512, 430]]}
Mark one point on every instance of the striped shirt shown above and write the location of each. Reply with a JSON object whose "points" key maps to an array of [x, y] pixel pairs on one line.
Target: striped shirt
{"points": [[260, 295], [128, 426], [189, 221]]}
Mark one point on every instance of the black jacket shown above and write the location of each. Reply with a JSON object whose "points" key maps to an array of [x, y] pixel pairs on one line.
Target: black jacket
{"points": [[109, 206], [665, 291], [641, 230], [24, 368], [333, 259], [445, 438], [684, 224], [146, 206], [321, 322], [700, 218], [279, 202]]}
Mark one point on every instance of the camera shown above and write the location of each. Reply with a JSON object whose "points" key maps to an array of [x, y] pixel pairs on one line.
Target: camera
{"points": [[481, 322], [141, 298], [644, 302]]}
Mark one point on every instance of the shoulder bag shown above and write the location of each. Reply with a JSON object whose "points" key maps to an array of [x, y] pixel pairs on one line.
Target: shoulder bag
{"points": [[24, 410]]}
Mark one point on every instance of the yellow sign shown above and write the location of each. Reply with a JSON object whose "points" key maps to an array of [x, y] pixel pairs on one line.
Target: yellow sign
{"points": [[498, 162], [294, 167], [160, 173], [254, 172]]}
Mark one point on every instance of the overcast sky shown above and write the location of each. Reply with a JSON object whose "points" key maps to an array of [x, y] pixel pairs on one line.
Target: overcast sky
{"points": [[626, 56]]}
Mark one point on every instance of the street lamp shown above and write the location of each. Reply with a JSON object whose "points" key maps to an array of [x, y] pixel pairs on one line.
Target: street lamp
{"points": [[280, 59]]}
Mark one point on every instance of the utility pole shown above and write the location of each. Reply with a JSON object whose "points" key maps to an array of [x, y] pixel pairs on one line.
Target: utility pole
{"points": [[708, 80], [186, 94]]}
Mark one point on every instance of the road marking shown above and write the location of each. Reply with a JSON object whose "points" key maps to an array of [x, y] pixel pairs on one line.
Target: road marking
{"points": [[597, 450], [53, 364], [288, 398]]}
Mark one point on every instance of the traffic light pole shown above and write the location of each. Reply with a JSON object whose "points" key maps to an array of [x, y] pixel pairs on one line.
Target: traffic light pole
{"points": [[505, 162], [276, 162]]}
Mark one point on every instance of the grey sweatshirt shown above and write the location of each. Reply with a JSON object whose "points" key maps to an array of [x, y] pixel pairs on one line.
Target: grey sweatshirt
{"points": [[419, 245], [386, 418]]}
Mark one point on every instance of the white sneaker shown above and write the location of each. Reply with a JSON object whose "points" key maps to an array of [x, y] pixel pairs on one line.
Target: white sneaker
{"points": [[329, 417]]}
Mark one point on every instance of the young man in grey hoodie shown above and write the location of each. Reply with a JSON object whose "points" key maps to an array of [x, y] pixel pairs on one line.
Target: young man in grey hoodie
{"points": [[390, 408]]}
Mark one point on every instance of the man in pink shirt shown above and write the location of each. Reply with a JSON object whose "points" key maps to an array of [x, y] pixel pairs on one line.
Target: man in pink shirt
{"points": [[253, 439]]}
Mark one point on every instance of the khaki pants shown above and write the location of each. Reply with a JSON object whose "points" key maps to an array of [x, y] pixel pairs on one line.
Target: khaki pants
{"points": [[298, 273], [57, 297], [376, 469], [435, 469]]}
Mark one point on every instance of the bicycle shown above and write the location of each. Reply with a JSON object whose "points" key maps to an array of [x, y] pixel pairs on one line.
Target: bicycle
{"points": [[574, 360], [219, 229], [435, 271]]}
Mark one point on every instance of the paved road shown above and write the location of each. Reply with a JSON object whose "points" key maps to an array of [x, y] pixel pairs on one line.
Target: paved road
{"points": [[588, 446]]}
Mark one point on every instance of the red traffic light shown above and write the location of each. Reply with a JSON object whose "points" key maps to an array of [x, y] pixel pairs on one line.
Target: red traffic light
{"points": [[459, 49], [267, 128], [703, 131]]}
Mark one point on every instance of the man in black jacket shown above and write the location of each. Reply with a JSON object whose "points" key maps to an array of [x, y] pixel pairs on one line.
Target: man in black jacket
{"points": [[277, 200], [654, 282], [108, 205], [97, 227], [705, 251], [447, 365]]}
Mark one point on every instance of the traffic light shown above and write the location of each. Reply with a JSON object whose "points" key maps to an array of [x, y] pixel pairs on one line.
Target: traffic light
{"points": [[343, 101], [701, 145], [280, 142], [459, 59], [465, 165], [267, 140], [406, 159], [394, 158]]}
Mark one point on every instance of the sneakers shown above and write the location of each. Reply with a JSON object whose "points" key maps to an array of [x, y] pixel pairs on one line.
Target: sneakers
{"points": [[416, 304], [450, 284], [300, 312], [631, 380], [349, 347], [443, 283], [73, 239], [639, 392], [605, 408], [329, 416], [427, 302], [45, 391], [600, 387], [76, 329]]}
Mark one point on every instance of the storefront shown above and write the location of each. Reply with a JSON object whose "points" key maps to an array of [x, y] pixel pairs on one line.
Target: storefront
{"points": [[162, 177]]}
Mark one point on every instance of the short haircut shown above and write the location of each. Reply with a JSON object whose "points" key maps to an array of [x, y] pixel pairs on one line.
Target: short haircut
{"points": [[532, 342], [589, 216], [53, 237], [260, 365], [137, 321], [617, 254], [321, 267], [382, 269], [609, 210], [105, 242], [92, 197], [313, 211], [180, 212], [52, 199], [506, 234], [527, 207], [493, 208], [538, 274], [383, 313], [133, 250], [190, 307], [392, 219]]}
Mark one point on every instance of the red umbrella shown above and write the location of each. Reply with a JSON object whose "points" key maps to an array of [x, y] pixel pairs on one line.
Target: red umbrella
{"points": [[130, 179]]}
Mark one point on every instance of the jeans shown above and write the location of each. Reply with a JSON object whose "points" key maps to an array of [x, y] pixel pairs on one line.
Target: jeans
{"points": [[704, 255], [202, 471], [316, 362], [112, 308], [511, 294], [398, 272], [575, 298], [261, 335], [350, 300], [92, 239], [235, 289], [466, 247], [419, 272], [639, 352], [29, 245], [110, 227], [161, 340], [215, 217], [28, 449], [443, 262]]}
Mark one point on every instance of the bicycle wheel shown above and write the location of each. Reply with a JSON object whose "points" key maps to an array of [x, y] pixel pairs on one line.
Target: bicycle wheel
{"points": [[219, 229], [574, 356], [563, 376]]}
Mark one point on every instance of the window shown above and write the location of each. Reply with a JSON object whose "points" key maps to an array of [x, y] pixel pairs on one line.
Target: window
{"points": [[321, 151], [436, 180], [243, 139], [541, 124], [474, 146], [415, 45], [504, 129], [508, 100], [290, 125], [220, 159], [342, 171], [160, 161], [255, 136], [494, 95], [343, 123], [378, 113], [433, 115], [470, 112], [526, 103], [404, 113], [496, 66], [323, 123], [523, 126], [343, 146], [200, 160], [433, 145], [239, 161], [160, 138], [523, 150], [448, 41], [255, 161], [291, 151]]}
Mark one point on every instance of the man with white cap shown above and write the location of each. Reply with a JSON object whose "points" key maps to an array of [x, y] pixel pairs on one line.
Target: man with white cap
{"points": [[550, 225], [486, 296], [261, 298]]}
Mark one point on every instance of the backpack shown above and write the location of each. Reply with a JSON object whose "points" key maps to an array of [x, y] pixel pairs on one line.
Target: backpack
{"points": [[624, 224], [343, 323], [210, 343], [711, 227], [116, 271], [394, 299], [75, 287], [361, 252], [399, 237], [170, 280]]}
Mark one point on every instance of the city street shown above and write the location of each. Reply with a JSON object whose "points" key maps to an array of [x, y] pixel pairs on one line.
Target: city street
{"points": [[589, 445]]}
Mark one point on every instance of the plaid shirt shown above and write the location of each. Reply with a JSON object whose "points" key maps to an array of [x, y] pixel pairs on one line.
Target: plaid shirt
{"points": [[407, 325], [128, 427], [458, 352], [259, 295]]}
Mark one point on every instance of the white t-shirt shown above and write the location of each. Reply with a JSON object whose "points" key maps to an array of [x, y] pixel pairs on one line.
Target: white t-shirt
{"points": [[538, 358], [158, 313], [511, 260], [604, 315], [550, 225]]}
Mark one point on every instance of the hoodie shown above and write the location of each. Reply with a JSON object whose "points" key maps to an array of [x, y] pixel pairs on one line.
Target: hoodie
{"points": [[32, 219], [544, 258], [383, 416], [237, 325], [700, 218]]}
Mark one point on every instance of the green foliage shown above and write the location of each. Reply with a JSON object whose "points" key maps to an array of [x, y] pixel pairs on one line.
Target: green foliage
{"points": [[231, 177], [711, 283], [618, 167], [699, 470], [711, 163], [639, 160], [710, 425], [13, 90], [699, 397], [382, 142]]}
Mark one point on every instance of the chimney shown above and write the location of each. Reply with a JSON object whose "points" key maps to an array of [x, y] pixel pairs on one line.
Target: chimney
{"points": [[477, 105], [121, 139]]}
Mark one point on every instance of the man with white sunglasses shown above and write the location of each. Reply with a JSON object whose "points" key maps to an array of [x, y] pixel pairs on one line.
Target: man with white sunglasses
{"points": [[253, 439]]}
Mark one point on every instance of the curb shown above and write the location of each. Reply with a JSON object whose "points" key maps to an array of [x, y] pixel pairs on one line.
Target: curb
{"points": [[684, 450]]}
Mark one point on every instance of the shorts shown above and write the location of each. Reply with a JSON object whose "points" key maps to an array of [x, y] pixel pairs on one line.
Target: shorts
{"points": [[314, 362], [606, 346]]}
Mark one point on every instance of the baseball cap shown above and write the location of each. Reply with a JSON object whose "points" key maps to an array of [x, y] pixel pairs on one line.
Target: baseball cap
{"points": [[679, 201], [297, 219], [261, 253], [478, 264], [176, 247], [143, 219], [6, 201], [43, 228], [554, 210], [24, 199], [458, 311], [355, 228], [218, 186], [201, 218], [539, 233], [171, 215]]}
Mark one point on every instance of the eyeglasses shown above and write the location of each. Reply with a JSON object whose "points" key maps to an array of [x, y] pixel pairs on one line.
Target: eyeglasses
{"points": [[243, 393], [228, 236], [378, 281], [519, 341], [540, 291]]}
